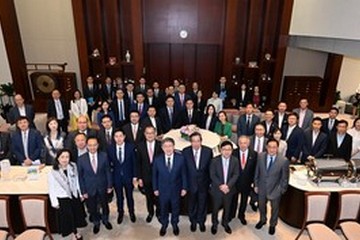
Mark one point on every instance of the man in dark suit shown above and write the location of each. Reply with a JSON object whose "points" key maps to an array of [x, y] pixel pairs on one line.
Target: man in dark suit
{"points": [[130, 94], [193, 93], [105, 134], [244, 96], [271, 182], [82, 127], [315, 141], [146, 153], [151, 100], [142, 86], [169, 114], [120, 107], [247, 165], [305, 114], [246, 123], [58, 109], [269, 124], [159, 94], [152, 120], [181, 97], [133, 130], [5, 152], [294, 137], [224, 173], [122, 158], [80, 146], [91, 94], [189, 115], [329, 124], [223, 90], [258, 140], [340, 142], [95, 183], [169, 184], [281, 116], [26, 143], [21, 110], [107, 90], [141, 106], [197, 158]]}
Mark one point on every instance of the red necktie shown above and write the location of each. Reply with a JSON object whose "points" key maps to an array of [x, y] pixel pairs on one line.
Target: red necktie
{"points": [[243, 160], [150, 152]]}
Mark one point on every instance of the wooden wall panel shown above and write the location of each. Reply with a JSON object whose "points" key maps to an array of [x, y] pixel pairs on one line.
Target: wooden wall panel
{"points": [[158, 55], [111, 26]]}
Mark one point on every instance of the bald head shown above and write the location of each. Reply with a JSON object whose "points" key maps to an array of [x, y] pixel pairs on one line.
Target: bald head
{"points": [[244, 142]]}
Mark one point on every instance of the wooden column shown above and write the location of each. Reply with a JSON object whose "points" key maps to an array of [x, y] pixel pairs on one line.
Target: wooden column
{"points": [[137, 37], [14, 48]]}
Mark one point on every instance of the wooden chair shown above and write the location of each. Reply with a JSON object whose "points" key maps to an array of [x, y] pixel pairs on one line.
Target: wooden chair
{"points": [[316, 208], [5, 223], [349, 205], [34, 213]]}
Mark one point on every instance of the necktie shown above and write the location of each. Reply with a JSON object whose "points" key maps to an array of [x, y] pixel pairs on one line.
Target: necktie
{"points": [[108, 137], [170, 116], [331, 124], [270, 163], [182, 100], [134, 132], [258, 149], [190, 116], [120, 155], [169, 164], [93, 163], [59, 111], [140, 109], [121, 113], [150, 152], [225, 170], [248, 124], [196, 159], [243, 160], [25, 143]]}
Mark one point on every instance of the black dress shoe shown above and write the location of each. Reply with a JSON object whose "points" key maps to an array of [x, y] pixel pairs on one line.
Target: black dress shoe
{"points": [[214, 229], [243, 220], [132, 217], [193, 227], [176, 230], [253, 207], [120, 218], [259, 225], [227, 228], [202, 227], [272, 230], [149, 218], [96, 228], [108, 225], [162, 231]]}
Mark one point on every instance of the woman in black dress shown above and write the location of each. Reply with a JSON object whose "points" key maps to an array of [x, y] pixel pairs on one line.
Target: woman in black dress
{"points": [[209, 120], [64, 192]]}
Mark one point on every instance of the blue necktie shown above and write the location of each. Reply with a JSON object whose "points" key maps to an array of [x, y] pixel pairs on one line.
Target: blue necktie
{"points": [[271, 163]]}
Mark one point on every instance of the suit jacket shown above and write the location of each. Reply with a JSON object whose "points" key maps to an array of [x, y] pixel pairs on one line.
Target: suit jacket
{"points": [[144, 166], [325, 126], [35, 146], [178, 102], [107, 95], [344, 151], [242, 102], [318, 149], [122, 171], [309, 115], [217, 175], [129, 134], [91, 182], [252, 143], [5, 146], [271, 183], [184, 119], [127, 96], [51, 109], [294, 142], [139, 89], [69, 141], [14, 114], [269, 133], [212, 122], [115, 108], [155, 102], [246, 175], [198, 179], [284, 120], [160, 98], [169, 183], [101, 134], [242, 128], [145, 106], [145, 122], [91, 95], [165, 119], [225, 90]]}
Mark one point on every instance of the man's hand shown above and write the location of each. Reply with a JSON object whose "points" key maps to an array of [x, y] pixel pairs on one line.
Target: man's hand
{"points": [[256, 189], [224, 188], [109, 190], [156, 193], [27, 162], [85, 196], [293, 160], [140, 182], [183, 192]]}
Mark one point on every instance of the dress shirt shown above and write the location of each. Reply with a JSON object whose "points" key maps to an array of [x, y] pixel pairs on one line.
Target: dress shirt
{"points": [[270, 160], [259, 140], [281, 119], [153, 122], [94, 161], [122, 147], [315, 134], [171, 160], [268, 125], [340, 139], [225, 167], [331, 124], [121, 109], [22, 111], [25, 139], [59, 110], [135, 128], [243, 95], [196, 154], [289, 131], [302, 114], [81, 151], [150, 146], [150, 100], [208, 122], [246, 153]]}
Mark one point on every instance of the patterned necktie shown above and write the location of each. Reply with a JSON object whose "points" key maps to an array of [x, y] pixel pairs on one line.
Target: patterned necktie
{"points": [[150, 152], [258, 150], [93, 163]]}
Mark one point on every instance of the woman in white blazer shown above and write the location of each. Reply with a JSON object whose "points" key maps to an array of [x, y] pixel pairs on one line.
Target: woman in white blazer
{"points": [[64, 193], [78, 107]]}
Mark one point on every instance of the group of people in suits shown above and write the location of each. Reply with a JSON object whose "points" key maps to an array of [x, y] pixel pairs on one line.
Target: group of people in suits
{"points": [[126, 152]]}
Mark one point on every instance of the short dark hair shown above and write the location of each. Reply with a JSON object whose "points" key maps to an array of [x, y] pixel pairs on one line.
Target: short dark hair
{"points": [[140, 93], [169, 96], [92, 138], [222, 111], [22, 118], [260, 124], [189, 99], [119, 130], [250, 104], [134, 111], [168, 139], [226, 143], [316, 119], [149, 126], [80, 133], [152, 106], [294, 114], [56, 160], [272, 140], [335, 109], [343, 121], [106, 116], [194, 134]]}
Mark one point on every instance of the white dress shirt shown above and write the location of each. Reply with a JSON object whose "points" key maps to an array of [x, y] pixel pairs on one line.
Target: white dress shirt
{"points": [[225, 168], [196, 154], [171, 160], [122, 147], [259, 141], [280, 119], [22, 111], [289, 131], [59, 110]]}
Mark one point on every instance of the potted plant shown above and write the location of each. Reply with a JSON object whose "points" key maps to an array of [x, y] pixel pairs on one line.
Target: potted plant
{"points": [[7, 93]]}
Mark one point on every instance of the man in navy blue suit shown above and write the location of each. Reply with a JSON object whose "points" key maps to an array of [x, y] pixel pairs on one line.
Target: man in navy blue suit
{"points": [[169, 114], [95, 183], [169, 184], [26, 143], [141, 106], [315, 141], [181, 97], [246, 123], [122, 158], [294, 137], [197, 159], [21, 109]]}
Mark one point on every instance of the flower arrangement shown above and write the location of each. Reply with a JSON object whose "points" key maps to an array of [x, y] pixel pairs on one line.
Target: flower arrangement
{"points": [[187, 130]]}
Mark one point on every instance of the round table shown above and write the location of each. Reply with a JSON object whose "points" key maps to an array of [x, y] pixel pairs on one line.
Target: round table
{"points": [[210, 139]]}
